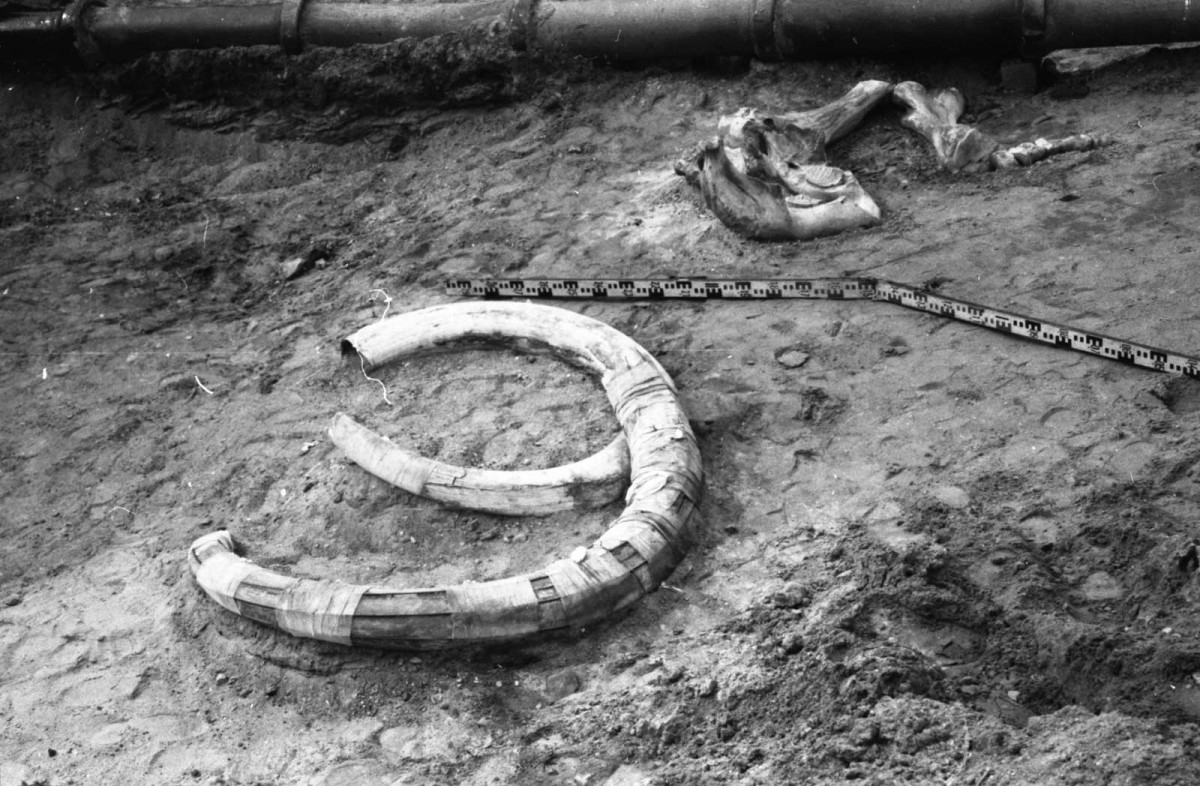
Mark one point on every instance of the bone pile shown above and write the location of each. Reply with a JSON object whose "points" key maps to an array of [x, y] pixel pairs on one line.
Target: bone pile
{"points": [[768, 177]]}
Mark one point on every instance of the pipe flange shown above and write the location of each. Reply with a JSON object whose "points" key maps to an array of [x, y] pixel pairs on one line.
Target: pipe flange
{"points": [[520, 24], [289, 26], [75, 17], [633, 556], [1033, 28], [762, 30]]}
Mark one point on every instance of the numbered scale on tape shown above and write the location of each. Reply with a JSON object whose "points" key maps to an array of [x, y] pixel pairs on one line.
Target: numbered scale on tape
{"points": [[1002, 321]]}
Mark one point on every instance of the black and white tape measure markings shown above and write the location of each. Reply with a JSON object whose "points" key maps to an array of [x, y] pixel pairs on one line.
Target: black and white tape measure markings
{"points": [[1008, 322]]}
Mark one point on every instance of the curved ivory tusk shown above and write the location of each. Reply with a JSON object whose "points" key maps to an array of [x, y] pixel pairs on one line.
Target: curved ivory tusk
{"points": [[593, 481], [635, 554]]}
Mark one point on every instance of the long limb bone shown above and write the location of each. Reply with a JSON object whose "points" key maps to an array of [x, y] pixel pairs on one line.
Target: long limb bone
{"points": [[959, 148], [765, 176], [840, 117]]}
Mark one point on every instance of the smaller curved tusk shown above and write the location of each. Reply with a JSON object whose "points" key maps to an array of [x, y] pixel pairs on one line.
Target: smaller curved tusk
{"points": [[590, 482]]}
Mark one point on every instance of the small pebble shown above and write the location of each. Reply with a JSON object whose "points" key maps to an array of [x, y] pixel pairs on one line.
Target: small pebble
{"points": [[562, 684], [792, 358]]}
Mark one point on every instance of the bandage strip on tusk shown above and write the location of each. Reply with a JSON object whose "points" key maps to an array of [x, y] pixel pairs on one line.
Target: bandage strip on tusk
{"points": [[637, 552], [591, 482]]}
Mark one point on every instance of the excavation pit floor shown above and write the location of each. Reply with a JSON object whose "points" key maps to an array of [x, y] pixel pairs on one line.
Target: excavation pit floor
{"points": [[928, 553]]}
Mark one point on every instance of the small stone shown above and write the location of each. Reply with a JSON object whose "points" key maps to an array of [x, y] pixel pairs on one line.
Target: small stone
{"points": [[221, 678], [296, 267], [708, 688], [1100, 586], [951, 496], [12, 600], [792, 358], [563, 684], [792, 596]]}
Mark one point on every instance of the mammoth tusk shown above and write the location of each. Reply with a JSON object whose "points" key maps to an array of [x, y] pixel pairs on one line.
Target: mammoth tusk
{"points": [[637, 552], [596, 480]]}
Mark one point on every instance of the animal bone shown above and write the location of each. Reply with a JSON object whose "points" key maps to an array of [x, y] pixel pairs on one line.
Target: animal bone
{"points": [[591, 482], [766, 177], [1029, 153], [959, 148], [633, 556]]}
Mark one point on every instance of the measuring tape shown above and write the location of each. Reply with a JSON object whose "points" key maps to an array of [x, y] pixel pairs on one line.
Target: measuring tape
{"points": [[1008, 322]]}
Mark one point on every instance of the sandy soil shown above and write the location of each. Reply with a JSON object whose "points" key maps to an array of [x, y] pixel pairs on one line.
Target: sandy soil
{"points": [[930, 554]]}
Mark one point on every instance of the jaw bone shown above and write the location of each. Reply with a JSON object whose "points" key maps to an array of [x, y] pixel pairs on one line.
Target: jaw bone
{"points": [[765, 176]]}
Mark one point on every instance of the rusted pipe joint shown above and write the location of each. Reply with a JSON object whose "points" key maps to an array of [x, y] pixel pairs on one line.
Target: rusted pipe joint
{"points": [[289, 26], [1033, 27], [762, 30]]}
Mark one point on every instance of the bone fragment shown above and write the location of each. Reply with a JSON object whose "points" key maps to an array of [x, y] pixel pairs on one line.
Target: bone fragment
{"points": [[959, 148], [766, 177], [1029, 153]]}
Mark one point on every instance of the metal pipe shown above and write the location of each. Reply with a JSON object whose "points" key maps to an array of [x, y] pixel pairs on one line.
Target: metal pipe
{"points": [[345, 24], [1073, 24], [646, 30], [635, 29], [121, 31], [868, 27]]}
